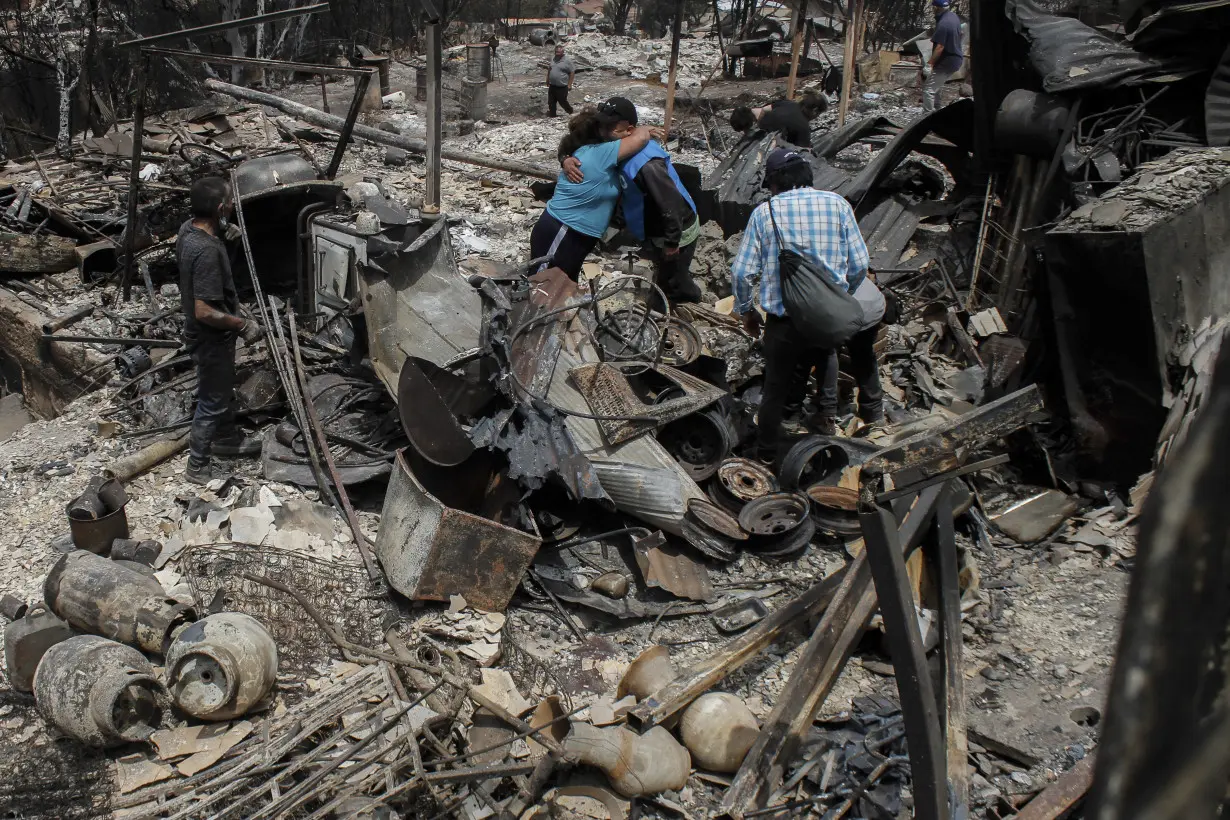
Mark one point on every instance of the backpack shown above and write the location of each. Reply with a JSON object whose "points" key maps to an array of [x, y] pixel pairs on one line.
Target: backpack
{"points": [[823, 312]]}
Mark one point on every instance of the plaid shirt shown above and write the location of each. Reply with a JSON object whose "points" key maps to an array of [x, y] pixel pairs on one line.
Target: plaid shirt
{"points": [[820, 225]]}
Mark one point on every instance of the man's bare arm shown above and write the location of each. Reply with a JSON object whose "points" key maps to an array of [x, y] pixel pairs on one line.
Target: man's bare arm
{"points": [[207, 314], [935, 55]]}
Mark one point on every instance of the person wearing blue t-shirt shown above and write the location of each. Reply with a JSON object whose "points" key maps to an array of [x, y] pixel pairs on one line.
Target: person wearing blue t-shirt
{"points": [[579, 212], [946, 56]]}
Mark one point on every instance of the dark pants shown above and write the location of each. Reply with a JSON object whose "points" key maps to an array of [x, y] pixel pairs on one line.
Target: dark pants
{"points": [[566, 247], [214, 419], [865, 369], [674, 273], [786, 353], [558, 94]]}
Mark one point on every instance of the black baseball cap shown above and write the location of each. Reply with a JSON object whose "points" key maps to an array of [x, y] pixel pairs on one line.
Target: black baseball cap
{"points": [[617, 109], [781, 158]]}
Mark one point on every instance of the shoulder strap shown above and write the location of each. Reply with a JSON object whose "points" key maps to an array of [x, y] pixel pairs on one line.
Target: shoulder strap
{"points": [[781, 246]]}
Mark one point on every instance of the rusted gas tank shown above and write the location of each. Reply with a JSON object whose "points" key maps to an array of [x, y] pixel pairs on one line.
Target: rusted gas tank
{"points": [[221, 666], [103, 597], [99, 692]]}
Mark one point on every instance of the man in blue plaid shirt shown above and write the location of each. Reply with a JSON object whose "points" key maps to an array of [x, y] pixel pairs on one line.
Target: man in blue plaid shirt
{"points": [[821, 226]]}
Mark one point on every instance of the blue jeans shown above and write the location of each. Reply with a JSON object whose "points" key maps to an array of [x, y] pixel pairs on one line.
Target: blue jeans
{"points": [[214, 419]]}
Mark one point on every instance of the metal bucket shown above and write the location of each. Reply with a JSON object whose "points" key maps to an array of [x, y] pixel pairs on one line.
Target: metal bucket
{"points": [[96, 534], [478, 61]]}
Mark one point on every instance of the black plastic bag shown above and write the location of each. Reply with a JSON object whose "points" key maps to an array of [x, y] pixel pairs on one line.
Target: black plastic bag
{"points": [[823, 312]]}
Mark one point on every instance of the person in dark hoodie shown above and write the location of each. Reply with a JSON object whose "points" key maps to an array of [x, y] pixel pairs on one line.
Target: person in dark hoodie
{"points": [[657, 208]]}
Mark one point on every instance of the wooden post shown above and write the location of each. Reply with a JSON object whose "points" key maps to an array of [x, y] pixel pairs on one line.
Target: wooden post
{"points": [[134, 180], [324, 95], [853, 9], [676, 24], [431, 183], [796, 47]]}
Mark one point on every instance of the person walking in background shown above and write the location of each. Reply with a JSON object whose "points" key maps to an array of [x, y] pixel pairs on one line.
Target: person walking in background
{"points": [[946, 54], [560, 75]]}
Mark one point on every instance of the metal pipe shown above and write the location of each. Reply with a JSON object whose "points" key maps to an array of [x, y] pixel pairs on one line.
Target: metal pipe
{"points": [[63, 321], [281, 65], [111, 340], [431, 181], [225, 25], [360, 90]]}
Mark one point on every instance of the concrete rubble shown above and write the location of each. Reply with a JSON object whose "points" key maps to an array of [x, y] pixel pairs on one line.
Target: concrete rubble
{"points": [[505, 551]]}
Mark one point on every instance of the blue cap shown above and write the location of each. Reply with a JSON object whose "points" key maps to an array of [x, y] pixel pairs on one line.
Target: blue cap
{"points": [[943, 4]]}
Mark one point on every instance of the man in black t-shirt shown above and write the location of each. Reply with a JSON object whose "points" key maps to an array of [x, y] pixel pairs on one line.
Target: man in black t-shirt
{"points": [[786, 117], [211, 324]]}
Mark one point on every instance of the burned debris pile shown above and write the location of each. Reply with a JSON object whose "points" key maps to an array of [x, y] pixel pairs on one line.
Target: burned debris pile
{"points": [[510, 548]]}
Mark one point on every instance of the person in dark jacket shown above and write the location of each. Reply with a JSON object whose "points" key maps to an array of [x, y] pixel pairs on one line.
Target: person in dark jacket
{"points": [[786, 117], [657, 208]]}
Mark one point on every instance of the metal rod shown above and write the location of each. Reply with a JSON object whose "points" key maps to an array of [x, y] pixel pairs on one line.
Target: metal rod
{"points": [[282, 65], [134, 180], [112, 340], [225, 25], [360, 540], [356, 103], [986, 463], [431, 181], [61, 322]]}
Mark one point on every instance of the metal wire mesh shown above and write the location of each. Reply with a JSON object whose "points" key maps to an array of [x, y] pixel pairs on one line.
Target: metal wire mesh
{"points": [[341, 592], [534, 679]]}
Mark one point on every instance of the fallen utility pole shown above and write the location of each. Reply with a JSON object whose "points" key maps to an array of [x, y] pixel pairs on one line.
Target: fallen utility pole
{"points": [[319, 118]]}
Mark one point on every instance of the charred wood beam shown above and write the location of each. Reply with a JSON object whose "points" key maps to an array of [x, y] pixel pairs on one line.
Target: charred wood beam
{"points": [[945, 447], [817, 670], [333, 123], [226, 25], [955, 739], [1167, 696], [1057, 799], [919, 706], [356, 103], [702, 676], [134, 180]]}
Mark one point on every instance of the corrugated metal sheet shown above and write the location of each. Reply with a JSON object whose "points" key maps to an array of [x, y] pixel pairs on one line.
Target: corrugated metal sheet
{"points": [[639, 476], [1070, 55], [1217, 104]]}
